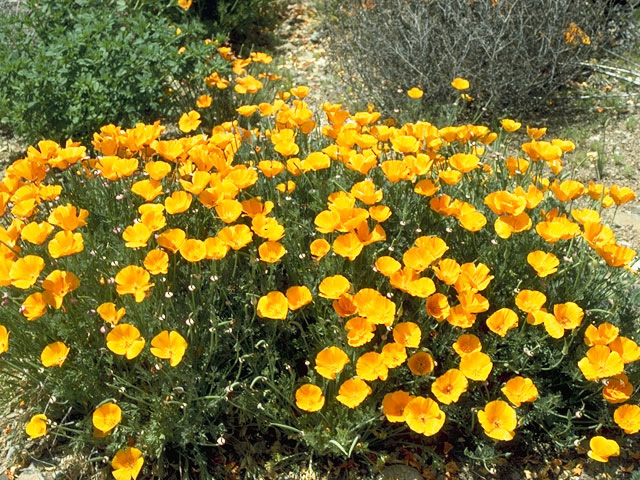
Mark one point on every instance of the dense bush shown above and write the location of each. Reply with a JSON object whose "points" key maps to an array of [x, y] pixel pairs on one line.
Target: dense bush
{"points": [[172, 305], [68, 67], [517, 54]]}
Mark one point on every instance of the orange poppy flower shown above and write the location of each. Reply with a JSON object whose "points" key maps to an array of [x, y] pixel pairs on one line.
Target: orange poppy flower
{"points": [[421, 363], [236, 236], [157, 170], [193, 250], [426, 188], [447, 271], [449, 176], [627, 417], [25, 271], [424, 416], [617, 389], [600, 362], [387, 266], [353, 392], [407, 334], [125, 340], [298, 297], [621, 195], [147, 189], [169, 345], [273, 305], [628, 350], [530, 301], [54, 354], [36, 233], [156, 262], [133, 280], [108, 312], [502, 321], [172, 239], [330, 362], [228, 210], [393, 405], [65, 217], [348, 246], [466, 344], [415, 93], [56, 285], [374, 306], [334, 287], [267, 227], [473, 302], [460, 83], [586, 215], [506, 225], [598, 235], [449, 386], [344, 306], [464, 162], [106, 417], [189, 121], [601, 448], [476, 366], [178, 202], [519, 390], [393, 354], [560, 228], [152, 217], [366, 192], [33, 307], [459, 317], [309, 398], [567, 190], [438, 307], [127, 463], [604, 334], [359, 331], [616, 255], [135, 235], [510, 125], [569, 315], [498, 420], [473, 277], [370, 366], [543, 263], [505, 203], [37, 426]]}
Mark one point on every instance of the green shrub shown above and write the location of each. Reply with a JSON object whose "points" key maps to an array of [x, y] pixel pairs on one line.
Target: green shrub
{"points": [[202, 239], [68, 67], [517, 54]]}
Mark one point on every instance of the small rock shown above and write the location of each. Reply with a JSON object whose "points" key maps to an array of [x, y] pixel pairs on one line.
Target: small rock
{"points": [[400, 472], [30, 474]]}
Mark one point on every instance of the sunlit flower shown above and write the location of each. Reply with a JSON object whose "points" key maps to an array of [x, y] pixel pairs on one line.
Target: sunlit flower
{"points": [[54, 354], [359, 331], [476, 366], [421, 363], [330, 362], [127, 463], [370, 366], [133, 280], [415, 93], [189, 121], [108, 312], [460, 83], [424, 416], [393, 405], [333, 287], [617, 389], [448, 387], [466, 344], [502, 321], [37, 426], [353, 392], [273, 305], [169, 345], [407, 334], [600, 362], [498, 420], [519, 390], [601, 448], [298, 297], [125, 340], [106, 417], [309, 398], [543, 263]]}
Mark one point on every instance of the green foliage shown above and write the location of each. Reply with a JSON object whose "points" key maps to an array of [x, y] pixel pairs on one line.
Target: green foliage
{"points": [[517, 55], [68, 67], [236, 385]]}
